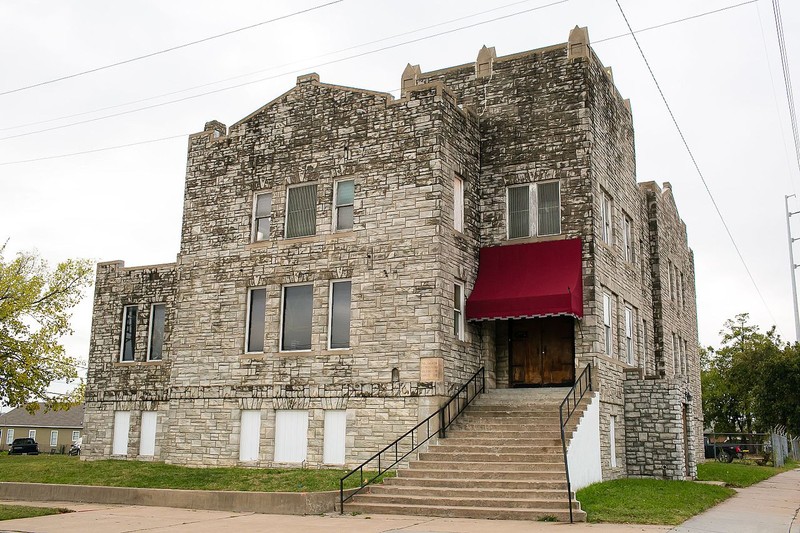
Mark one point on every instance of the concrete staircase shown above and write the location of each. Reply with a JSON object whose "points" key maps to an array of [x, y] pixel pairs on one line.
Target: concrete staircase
{"points": [[502, 459]]}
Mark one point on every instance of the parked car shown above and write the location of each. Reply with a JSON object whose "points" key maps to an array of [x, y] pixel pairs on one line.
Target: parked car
{"points": [[24, 446], [724, 452], [75, 449]]}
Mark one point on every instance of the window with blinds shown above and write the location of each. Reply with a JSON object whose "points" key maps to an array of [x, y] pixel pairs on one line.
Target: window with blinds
{"points": [[549, 208], [519, 220], [534, 210], [301, 211]]}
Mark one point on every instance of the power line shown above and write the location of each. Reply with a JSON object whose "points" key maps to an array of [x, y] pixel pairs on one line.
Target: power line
{"points": [[670, 23], [305, 69], [787, 78], [239, 76], [694, 162], [171, 49]]}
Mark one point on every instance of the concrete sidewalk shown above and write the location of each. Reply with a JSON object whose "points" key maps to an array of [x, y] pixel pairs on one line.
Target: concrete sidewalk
{"points": [[766, 507]]}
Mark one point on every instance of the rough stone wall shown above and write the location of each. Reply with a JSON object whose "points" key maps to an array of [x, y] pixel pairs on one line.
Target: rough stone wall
{"points": [[656, 445]]}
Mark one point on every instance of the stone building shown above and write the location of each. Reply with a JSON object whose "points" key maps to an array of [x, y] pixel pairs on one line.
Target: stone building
{"points": [[348, 259]]}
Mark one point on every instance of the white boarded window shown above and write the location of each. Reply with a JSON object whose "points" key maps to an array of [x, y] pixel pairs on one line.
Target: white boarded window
{"points": [[128, 341], [607, 311], [262, 215], [256, 305], [606, 217], [155, 347], [32, 434], [458, 311], [122, 425], [629, 335], [291, 436], [612, 437], [339, 326], [147, 437], [334, 439], [534, 210], [343, 205], [9, 436], [298, 303], [301, 211], [54, 437], [458, 203], [249, 436]]}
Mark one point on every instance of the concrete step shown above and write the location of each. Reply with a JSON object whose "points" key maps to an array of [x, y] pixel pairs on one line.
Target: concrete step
{"points": [[457, 466], [505, 432], [475, 456], [462, 439], [559, 496], [436, 471], [495, 513], [458, 501], [471, 483], [497, 447]]}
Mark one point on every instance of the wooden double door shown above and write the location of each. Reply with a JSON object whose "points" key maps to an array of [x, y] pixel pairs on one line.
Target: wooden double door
{"points": [[541, 352]]}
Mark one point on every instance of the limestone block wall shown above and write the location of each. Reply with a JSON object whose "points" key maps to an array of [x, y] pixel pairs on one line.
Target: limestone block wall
{"points": [[656, 445]]}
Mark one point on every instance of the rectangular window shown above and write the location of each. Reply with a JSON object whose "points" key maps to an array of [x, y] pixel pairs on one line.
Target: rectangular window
{"points": [[53, 438], [128, 347], [32, 434], [534, 210], [683, 292], [606, 217], [458, 311], [612, 437], [301, 211], [607, 321], [629, 335], [291, 436], [645, 341], [122, 425], [333, 452], [76, 435], [675, 355], [156, 344], [339, 326], [256, 305], [549, 207], [297, 313], [458, 203], [262, 215], [627, 238], [671, 281], [685, 347], [9, 436], [250, 435], [343, 204], [147, 437]]}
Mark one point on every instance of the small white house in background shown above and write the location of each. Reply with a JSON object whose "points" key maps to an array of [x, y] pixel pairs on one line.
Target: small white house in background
{"points": [[52, 430]]}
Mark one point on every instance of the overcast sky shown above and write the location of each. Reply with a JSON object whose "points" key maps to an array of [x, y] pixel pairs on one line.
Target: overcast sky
{"points": [[721, 74]]}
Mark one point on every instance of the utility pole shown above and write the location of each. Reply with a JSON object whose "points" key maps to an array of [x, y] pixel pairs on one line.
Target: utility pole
{"points": [[792, 267]]}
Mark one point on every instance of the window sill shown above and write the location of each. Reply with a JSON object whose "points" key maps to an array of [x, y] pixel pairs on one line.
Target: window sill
{"points": [[316, 238], [293, 353], [543, 238], [137, 363]]}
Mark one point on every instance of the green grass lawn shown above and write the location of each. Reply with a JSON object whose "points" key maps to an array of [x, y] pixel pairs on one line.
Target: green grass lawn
{"points": [[738, 474], [72, 471], [648, 501], [10, 512]]}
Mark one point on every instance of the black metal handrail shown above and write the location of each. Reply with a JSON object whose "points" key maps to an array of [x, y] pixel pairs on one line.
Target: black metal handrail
{"points": [[573, 398], [446, 415]]}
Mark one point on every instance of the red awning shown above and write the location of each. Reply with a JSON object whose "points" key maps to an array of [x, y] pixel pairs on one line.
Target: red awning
{"points": [[528, 280]]}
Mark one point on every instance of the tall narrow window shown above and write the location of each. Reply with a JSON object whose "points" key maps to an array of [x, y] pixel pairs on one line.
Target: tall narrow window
{"points": [[122, 425], [32, 434], [76, 435], [53, 438], [683, 292], [256, 305], [156, 344], [607, 311], [9, 436], [343, 204], [335, 431], [128, 348], [549, 208], [606, 216], [671, 281], [147, 436], [629, 335], [340, 314], [519, 224], [297, 313], [645, 342], [458, 203], [249, 435], [675, 355], [627, 238], [612, 438], [262, 215], [301, 211], [458, 311], [291, 436]]}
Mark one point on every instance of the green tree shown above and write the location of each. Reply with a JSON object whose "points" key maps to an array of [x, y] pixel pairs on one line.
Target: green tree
{"points": [[36, 304], [750, 382]]}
